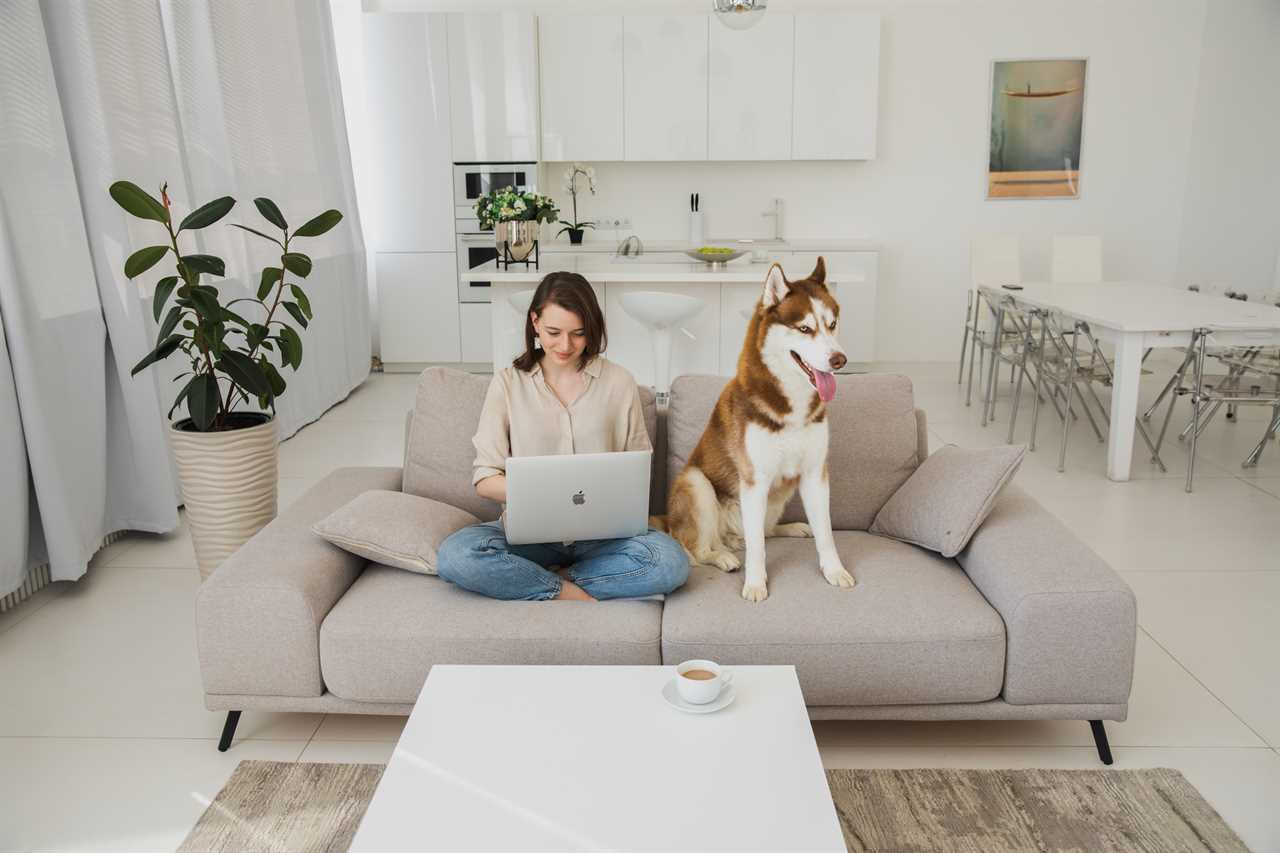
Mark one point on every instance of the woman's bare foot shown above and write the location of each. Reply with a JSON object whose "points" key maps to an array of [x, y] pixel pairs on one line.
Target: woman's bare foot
{"points": [[570, 591]]}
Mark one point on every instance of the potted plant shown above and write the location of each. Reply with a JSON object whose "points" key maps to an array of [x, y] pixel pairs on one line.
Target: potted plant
{"points": [[515, 216], [225, 449], [576, 228]]}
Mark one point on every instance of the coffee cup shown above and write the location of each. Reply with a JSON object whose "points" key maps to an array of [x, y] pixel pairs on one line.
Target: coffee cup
{"points": [[701, 681]]}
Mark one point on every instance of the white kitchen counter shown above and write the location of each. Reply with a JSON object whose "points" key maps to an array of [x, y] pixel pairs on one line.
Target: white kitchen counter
{"points": [[622, 271]]}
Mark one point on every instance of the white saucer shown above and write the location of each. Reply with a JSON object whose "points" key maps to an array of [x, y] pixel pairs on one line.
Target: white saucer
{"points": [[672, 695]]}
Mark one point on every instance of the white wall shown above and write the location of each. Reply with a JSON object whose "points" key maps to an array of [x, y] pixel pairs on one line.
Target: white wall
{"points": [[923, 197], [1231, 218]]}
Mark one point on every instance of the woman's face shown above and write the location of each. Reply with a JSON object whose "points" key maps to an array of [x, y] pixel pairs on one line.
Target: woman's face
{"points": [[561, 333]]}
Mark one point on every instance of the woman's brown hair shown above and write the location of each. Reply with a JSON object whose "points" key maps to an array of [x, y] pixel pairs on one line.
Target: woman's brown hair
{"points": [[573, 293]]}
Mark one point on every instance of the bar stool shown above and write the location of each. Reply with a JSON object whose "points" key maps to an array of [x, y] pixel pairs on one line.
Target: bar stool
{"points": [[661, 312]]}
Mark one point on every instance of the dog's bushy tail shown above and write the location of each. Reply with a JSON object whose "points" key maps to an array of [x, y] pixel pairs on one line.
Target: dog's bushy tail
{"points": [[659, 522]]}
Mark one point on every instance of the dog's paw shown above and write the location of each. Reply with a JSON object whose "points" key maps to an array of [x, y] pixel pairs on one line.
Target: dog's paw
{"points": [[734, 543], [725, 561], [755, 592], [839, 577], [796, 529]]}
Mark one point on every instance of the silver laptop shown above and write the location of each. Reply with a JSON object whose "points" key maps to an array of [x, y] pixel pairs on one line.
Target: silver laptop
{"points": [[578, 496]]}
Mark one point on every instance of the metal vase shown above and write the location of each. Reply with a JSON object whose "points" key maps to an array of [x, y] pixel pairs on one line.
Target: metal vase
{"points": [[520, 237]]}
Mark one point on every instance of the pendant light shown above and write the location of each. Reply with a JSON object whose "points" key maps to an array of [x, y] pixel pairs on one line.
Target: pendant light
{"points": [[739, 14]]}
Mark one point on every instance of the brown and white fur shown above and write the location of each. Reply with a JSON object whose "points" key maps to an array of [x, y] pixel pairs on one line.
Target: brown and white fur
{"points": [[767, 434]]}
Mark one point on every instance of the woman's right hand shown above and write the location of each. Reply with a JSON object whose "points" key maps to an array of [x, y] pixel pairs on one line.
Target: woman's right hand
{"points": [[494, 488]]}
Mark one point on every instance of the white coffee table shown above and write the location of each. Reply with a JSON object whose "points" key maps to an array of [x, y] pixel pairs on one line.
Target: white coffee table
{"points": [[593, 758]]}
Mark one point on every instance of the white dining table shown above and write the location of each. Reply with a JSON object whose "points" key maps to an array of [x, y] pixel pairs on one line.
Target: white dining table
{"points": [[1133, 317]]}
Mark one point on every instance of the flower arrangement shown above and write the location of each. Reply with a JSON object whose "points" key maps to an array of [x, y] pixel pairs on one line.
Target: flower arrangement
{"points": [[512, 205], [571, 174]]}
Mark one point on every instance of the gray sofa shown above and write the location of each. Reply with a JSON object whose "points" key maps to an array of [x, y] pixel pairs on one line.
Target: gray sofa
{"points": [[1026, 623]]}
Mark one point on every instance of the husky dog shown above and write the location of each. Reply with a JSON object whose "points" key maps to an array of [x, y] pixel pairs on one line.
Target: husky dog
{"points": [[767, 434]]}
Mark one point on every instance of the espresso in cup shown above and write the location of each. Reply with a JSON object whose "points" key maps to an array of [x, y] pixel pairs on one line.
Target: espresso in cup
{"points": [[701, 681]]}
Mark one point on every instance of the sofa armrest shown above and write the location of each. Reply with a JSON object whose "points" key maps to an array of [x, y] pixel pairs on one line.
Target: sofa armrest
{"points": [[258, 615], [1070, 620]]}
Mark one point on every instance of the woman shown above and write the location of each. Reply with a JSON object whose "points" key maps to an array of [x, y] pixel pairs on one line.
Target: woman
{"points": [[559, 397]]}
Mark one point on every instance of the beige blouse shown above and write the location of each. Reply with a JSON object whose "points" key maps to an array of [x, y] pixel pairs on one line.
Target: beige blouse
{"points": [[522, 416]]}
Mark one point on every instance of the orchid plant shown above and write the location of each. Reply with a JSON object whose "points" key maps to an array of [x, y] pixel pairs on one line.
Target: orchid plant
{"points": [[571, 175], [512, 205]]}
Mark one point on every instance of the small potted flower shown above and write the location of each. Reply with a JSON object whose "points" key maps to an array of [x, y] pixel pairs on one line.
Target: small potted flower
{"points": [[576, 228], [515, 216]]}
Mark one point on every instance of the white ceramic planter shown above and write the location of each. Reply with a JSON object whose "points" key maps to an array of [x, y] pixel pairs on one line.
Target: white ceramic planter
{"points": [[228, 485]]}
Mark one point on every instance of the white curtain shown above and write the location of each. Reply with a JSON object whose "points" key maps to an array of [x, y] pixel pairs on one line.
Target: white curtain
{"points": [[216, 97]]}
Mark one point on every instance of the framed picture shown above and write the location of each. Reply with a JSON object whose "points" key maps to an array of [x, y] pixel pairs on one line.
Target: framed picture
{"points": [[1037, 123]]}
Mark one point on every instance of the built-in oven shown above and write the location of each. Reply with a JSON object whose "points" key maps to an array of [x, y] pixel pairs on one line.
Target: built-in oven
{"points": [[475, 249], [472, 180]]}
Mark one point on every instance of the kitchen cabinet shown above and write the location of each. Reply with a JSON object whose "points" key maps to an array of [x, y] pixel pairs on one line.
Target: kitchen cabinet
{"points": [[751, 90], [837, 82], [407, 104], [476, 326], [665, 87], [418, 307], [580, 59], [493, 86]]}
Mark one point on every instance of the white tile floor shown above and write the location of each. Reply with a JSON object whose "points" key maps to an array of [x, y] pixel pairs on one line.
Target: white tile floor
{"points": [[105, 743]]}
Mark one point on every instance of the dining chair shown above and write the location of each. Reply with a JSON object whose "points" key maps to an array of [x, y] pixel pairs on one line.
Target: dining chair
{"points": [[994, 260], [1076, 259], [1233, 389]]}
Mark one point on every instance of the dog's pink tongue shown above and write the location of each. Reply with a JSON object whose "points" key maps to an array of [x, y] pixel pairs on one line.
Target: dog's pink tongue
{"points": [[826, 383]]}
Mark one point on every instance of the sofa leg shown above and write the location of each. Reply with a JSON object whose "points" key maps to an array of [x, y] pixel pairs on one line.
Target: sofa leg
{"points": [[1100, 740], [229, 731]]}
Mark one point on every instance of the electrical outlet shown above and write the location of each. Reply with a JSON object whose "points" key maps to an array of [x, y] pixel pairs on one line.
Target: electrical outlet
{"points": [[614, 222]]}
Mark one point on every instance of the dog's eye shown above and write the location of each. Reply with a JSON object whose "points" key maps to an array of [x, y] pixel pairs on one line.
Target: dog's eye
{"points": [[832, 327], [804, 330]]}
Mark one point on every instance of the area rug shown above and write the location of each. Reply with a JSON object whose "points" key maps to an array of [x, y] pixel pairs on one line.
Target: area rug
{"points": [[278, 806]]}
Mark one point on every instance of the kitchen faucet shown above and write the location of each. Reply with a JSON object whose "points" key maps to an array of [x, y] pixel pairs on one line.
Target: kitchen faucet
{"points": [[776, 213]]}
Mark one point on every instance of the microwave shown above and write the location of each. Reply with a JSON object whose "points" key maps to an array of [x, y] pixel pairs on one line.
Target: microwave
{"points": [[473, 180]]}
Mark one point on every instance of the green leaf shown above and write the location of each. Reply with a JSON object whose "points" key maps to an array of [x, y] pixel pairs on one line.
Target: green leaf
{"points": [[303, 302], [164, 287], [164, 350], [229, 316], [270, 276], [256, 334], [143, 260], [245, 372], [205, 263], [207, 214], [259, 233], [298, 264], [202, 400], [134, 199], [273, 376], [292, 308], [206, 305], [170, 322], [271, 213], [182, 395], [319, 225], [290, 346]]}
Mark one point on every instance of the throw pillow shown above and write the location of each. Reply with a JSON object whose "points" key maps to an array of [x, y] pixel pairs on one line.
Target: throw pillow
{"points": [[948, 497], [394, 528]]}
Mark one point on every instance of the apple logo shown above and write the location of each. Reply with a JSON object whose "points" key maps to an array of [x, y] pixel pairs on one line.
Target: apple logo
{"points": [[579, 499]]}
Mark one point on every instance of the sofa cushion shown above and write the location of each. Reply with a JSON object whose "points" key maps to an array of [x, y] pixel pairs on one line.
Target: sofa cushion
{"points": [[943, 502], [438, 449], [378, 643], [393, 528], [914, 630], [874, 443]]}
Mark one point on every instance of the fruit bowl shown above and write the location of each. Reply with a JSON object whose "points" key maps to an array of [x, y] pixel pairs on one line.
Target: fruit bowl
{"points": [[714, 254]]}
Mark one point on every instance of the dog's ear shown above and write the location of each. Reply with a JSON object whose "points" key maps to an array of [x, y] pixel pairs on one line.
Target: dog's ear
{"points": [[775, 287], [819, 273]]}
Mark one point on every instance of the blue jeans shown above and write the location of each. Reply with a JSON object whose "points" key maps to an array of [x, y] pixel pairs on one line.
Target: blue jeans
{"points": [[480, 559]]}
